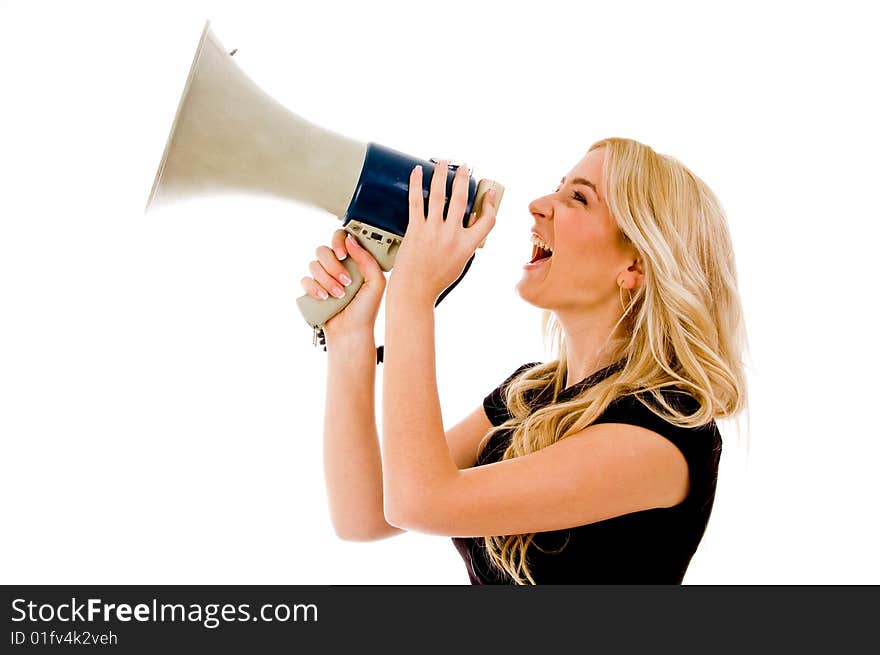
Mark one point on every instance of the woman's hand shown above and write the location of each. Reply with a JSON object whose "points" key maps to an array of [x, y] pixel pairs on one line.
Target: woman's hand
{"points": [[330, 276], [434, 251]]}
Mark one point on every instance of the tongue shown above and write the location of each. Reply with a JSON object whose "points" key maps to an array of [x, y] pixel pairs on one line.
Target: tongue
{"points": [[541, 254]]}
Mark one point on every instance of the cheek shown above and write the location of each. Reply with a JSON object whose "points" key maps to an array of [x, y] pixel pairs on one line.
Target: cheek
{"points": [[581, 242], [587, 255]]}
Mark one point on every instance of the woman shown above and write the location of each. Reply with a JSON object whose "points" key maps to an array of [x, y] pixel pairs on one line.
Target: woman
{"points": [[597, 467]]}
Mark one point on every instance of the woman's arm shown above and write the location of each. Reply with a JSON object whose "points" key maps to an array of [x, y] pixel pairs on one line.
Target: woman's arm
{"points": [[417, 457], [418, 463], [352, 464], [352, 461]]}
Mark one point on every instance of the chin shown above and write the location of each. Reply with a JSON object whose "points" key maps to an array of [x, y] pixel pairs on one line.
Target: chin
{"points": [[530, 297]]}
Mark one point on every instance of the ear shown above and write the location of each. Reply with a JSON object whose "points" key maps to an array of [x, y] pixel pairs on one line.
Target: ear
{"points": [[634, 276]]}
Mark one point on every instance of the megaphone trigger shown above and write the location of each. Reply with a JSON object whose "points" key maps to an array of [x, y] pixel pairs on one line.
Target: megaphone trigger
{"points": [[380, 243]]}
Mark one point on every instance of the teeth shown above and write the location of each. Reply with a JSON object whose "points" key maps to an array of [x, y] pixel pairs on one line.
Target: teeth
{"points": [[540, 243]]}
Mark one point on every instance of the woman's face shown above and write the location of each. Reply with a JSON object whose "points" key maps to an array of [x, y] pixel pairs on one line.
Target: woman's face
{"points": [[588, 253]]}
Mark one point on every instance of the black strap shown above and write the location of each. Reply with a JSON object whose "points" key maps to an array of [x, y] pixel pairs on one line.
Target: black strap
{"points": [[321, 340]]}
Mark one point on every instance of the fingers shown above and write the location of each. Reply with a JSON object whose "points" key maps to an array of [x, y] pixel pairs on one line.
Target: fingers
{"points": [[313, 288], [328, 273], [437, 197], [479, 229], [365, 261], [329, 276], [330, 261], [338, 244], [458, 199], [437, 192], [416, 199]]}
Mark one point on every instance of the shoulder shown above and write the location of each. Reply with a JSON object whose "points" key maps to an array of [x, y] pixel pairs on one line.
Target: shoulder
{"points": [[700, 446], [643, 407]]}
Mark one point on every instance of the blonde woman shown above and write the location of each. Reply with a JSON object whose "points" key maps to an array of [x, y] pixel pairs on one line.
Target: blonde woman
{"points": [[597, 467]]}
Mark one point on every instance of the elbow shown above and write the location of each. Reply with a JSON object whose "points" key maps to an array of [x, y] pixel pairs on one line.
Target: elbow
{"points": [[394, 514], [404, 511], [426, 508], [413, 515], [361, 531], [358, 535]]}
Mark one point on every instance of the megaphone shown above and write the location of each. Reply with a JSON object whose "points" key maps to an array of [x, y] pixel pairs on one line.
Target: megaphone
{"points": [[230, 136]]}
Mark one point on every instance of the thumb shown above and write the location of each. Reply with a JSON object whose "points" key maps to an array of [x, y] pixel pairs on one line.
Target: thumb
{"points": [[480, 230], [367, 264]]}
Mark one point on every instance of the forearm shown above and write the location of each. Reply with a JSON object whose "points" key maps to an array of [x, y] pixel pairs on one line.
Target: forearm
{"points": [[416, 457], [352, 461]]}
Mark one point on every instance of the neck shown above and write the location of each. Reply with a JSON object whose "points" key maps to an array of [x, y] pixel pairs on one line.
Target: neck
{"points": [[586, 334]]}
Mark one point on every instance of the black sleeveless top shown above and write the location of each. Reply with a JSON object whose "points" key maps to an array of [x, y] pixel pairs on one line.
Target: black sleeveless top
{"points": [[653, 546]]}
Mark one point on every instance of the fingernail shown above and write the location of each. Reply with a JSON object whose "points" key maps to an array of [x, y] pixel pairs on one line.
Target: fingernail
{"points": [[340, 254], [323, 294], [345, 279], [337, 291], [350, 239]]}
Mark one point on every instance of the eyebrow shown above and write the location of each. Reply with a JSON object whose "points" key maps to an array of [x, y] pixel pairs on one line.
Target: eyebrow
{"points": [[580, 180]]}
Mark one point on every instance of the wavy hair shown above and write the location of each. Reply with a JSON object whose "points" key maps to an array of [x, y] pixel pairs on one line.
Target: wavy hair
{"points": [[681, 329]]}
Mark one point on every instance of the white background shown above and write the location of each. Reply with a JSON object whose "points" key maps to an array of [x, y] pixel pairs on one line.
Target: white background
{"points": [[161, 403]]}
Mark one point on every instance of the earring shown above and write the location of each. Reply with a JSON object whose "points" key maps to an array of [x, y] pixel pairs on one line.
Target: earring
{"points": [[620, 295]]}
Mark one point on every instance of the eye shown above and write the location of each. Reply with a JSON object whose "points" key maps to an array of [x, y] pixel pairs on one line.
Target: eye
{"points": [[576, 195]]}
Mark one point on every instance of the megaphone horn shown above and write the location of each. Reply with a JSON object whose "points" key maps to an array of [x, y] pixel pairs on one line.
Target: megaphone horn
{"points": [[230, 136]]}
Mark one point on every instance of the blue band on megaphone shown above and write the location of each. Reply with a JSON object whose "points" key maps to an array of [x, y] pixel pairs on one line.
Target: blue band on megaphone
{"points": [[381, 197]]}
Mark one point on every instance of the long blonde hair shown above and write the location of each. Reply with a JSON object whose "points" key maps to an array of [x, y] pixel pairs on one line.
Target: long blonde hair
{"points": [[682, 328]]}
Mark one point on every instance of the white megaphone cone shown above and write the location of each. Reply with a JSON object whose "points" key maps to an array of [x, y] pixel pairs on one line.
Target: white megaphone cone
{"points": [[229, 136]]}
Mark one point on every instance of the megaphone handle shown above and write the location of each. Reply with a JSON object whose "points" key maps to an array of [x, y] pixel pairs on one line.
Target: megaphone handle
{"points": [[381, 244], [318, 312]]}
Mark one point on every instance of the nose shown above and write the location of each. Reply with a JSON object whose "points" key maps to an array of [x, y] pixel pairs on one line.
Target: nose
{"points": [[541, 208]]}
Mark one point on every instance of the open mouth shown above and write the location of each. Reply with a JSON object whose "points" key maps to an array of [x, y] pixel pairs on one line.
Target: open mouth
{"points": [[540, 250], [538, 253]]}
